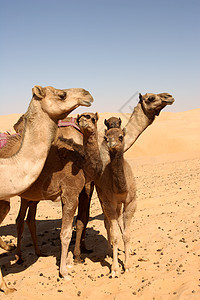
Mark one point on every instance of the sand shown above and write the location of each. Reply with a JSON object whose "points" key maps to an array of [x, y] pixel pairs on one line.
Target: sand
{"points": [[165, 231]]}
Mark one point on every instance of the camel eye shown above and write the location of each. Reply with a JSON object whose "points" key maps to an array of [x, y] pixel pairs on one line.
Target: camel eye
{"points": [[62, 96], [105, 138], [121, 138], [93, 120], [151, 98]]}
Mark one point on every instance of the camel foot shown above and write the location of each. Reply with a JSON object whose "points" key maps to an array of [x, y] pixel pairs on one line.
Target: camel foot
{"points": [[19, 259], [66, 277], [128, 270], [115, 274], [9, 290], [78, 260]]}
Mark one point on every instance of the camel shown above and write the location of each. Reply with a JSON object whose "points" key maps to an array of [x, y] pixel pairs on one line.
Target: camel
{"points": [[20, 170], [65, 176], [143, 115], [113, 122], [117, 194]]}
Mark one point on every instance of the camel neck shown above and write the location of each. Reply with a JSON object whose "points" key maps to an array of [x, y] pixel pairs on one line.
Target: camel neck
{"points": [[93, 163], [26, 165], [118, 175], [138, 122]]}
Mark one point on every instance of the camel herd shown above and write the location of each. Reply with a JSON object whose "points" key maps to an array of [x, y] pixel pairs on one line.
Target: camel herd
{"points": [[47, 162]]}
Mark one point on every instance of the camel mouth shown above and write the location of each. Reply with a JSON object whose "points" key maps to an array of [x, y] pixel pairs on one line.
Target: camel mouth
{"points": [[86, 102], [169, 101], [83, 125]]}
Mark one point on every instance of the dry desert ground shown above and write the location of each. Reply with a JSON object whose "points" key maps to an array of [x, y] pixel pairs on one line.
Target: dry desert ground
{"points": [[165, 231]]}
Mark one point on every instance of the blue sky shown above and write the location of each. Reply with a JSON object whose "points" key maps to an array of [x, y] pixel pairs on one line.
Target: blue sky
{"points": [[113, 48]]}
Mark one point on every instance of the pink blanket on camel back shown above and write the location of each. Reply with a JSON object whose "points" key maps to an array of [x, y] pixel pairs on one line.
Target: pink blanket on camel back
{"points": [[3, 138], [61, 123]]}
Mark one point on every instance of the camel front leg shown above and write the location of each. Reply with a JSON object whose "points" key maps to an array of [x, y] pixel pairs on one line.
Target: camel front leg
{"points": [[4, 210], [114, 234], [3, 285], [128, 213], [109, 251], [68, 211], [32, 225]]}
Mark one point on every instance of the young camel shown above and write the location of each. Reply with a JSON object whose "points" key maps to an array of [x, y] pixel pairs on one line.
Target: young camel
{"points": [[113, 122], [20, 170], [117, 194], [63, 177], [143, 115]]}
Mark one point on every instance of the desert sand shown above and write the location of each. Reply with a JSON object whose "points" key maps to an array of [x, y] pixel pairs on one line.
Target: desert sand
{"points": [[165, 231]]}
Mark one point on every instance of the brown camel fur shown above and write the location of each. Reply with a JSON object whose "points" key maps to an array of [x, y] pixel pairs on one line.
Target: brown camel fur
{"points": [[61, 178], [117, 194], [143, 115], [113, 122], [20, 170]]}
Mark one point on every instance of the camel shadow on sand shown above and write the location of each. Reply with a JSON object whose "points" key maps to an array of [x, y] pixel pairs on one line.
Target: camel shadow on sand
{"points": [[48, 233]]}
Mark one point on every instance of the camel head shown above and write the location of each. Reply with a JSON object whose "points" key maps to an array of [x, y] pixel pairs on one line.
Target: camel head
{"points": [[88, 122], [114, 138], [152, 104], [113, 122], [59, 103]]}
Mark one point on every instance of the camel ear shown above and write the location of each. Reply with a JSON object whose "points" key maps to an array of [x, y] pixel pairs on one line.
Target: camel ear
{"points": [[106, 122], [124, 131], [120, 121], [140, 97], [77, 119], [38, 91], [105, 137], [97, 116]]}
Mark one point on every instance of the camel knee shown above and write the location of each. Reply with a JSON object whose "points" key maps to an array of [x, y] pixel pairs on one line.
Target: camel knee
{"points": [[19, 220], [65, 237], [126, 237], [114, 239]]}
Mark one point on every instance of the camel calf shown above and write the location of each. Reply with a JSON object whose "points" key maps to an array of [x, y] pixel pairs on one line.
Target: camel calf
{"points": [[117, 194]]}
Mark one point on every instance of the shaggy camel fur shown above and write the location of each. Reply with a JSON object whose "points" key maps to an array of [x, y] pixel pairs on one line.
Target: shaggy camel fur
{"points": [[142, 116], [61, 178], [117, 194], [113, 122], [20, 170]]}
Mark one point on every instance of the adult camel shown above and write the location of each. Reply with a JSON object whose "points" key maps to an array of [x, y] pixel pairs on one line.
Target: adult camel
{"points": [[20, 170]]}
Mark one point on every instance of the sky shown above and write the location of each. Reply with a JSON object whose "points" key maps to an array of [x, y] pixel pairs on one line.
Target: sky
{"points": [[112, 48]]}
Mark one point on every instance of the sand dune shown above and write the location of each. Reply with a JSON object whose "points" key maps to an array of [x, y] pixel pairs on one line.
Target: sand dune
{"points": [[165, 230]]}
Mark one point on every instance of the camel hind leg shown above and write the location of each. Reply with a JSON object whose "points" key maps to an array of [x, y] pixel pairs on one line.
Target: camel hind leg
{"points": [[20, 227], [82, 221], [32, 225], [4, 210], [68, 211]]}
